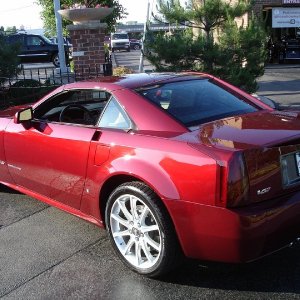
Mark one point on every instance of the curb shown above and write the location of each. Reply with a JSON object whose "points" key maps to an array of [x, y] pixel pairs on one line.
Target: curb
{"points": [[281, 66], [289, 107]]}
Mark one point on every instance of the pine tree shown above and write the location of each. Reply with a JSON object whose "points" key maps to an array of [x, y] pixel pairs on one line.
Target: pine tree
{"points": [[220, 47]]}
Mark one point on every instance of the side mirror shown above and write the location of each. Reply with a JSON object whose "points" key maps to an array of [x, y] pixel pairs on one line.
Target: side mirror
{"points": [[24, 115]]}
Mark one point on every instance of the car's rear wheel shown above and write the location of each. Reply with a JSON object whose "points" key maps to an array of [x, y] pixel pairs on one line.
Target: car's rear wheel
{"points": [[140, 230], [136, 47], [55, 60]]}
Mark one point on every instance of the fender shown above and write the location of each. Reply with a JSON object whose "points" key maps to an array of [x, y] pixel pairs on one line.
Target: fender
{"points": [[153, 175], [156, 178]]}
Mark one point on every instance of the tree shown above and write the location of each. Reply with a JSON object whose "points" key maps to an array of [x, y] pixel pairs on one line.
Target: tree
{"points": [[244, 54], [11, 30], [48, 15], [206, 15], [222, 48], [9, 60]]}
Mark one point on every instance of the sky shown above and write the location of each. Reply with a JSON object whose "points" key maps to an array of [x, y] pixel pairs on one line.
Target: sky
{"points": [[26, 13]]}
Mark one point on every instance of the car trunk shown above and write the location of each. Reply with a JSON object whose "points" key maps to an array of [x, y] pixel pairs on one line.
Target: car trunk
{"points": [[263, 155]]}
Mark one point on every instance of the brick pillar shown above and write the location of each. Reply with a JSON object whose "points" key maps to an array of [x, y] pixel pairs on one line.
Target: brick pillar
{"points": [[88, 49]]}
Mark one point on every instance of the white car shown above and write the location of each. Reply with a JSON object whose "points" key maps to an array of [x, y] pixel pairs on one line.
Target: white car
{"points": [[119, 41]]}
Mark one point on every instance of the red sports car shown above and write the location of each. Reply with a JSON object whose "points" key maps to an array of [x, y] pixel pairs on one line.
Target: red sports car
{"points": [[169, 164]]}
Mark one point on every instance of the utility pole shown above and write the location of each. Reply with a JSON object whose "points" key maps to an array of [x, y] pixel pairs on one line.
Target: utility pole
{"points": [[141, 66], [60, 38]]}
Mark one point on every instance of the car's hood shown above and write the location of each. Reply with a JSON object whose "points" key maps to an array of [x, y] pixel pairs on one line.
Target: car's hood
{"points": [[10, 112], [258, 129]]}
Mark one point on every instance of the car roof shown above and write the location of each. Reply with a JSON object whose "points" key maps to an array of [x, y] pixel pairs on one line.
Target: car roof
{"points": [[134, 81]]}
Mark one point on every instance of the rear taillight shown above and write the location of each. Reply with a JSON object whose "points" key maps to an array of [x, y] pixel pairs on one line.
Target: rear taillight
{"points": [[234, 182]]}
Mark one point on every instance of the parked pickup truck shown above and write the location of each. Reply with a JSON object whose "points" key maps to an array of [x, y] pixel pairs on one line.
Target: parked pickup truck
{"points": [[37, 48]]}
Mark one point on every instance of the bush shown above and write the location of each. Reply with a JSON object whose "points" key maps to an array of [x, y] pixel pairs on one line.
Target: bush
{"points": [[119, 71], [27, 83], [22, 95], [9, 60]]}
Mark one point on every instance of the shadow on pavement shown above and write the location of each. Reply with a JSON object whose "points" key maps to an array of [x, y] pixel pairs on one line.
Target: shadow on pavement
{"points": [[282, 87], [6, 189], [279, 272]]}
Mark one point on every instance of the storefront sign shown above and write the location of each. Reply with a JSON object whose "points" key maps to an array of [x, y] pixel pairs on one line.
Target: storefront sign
{"points": [[290, 2], [285, 17]]}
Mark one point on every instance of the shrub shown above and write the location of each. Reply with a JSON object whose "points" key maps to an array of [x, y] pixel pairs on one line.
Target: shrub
{"points": [[119, 71], [9, 60]]}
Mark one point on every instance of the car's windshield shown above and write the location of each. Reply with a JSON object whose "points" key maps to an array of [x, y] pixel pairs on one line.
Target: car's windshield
{"points": [[120, 36], [195, 102], [47, 40]]}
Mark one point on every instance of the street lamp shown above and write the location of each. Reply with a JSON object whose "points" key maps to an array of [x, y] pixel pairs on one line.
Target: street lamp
{"points": [[60, 38]]}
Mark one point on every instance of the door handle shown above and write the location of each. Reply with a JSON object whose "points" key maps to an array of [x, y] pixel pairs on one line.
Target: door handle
{"points": [[96, 136]]}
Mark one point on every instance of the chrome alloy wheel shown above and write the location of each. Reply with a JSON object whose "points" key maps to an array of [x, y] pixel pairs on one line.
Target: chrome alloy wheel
{"points": [[135, 231]]}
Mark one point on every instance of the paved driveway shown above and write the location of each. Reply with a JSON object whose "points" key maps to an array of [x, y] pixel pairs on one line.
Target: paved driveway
{"points": [[282, 84], [48, 254]]}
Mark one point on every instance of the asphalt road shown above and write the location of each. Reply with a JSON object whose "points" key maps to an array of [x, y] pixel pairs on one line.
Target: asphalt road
{"points": [[49, 254], [282, 84], [131, 60]]}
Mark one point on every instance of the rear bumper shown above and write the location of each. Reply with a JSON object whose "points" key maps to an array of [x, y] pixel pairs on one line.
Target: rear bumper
{"points": [[236, 235]]}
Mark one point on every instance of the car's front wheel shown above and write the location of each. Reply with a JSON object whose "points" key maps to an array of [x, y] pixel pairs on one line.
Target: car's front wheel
{"points": [[141, 230]]}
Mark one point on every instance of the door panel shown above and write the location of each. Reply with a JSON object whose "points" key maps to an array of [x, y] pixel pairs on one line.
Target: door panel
{"points": [[49, 158], [36, 48]]}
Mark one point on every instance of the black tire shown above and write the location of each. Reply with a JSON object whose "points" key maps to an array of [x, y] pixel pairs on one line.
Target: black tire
{"points": [[128, 49], [55, 60], [149, 261], [136, 47], [112, 49]]}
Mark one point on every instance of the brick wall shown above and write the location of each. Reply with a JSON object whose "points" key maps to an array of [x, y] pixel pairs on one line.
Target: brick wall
{"points": [[88, 49]]}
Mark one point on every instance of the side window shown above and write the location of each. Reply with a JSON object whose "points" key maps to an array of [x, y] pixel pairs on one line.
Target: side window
{"points": [[114, 116], [13, 39], [74, 106], [34, 41]]}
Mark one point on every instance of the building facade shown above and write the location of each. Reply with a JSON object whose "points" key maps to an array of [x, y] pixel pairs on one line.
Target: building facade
{"points": [[282, 17]]}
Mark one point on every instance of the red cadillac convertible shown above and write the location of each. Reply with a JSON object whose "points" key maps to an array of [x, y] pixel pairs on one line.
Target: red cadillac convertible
{"points": [[170, 164]]}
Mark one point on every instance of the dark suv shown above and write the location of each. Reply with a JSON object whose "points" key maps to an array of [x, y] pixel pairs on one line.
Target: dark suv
{"points": [[36, 48]]}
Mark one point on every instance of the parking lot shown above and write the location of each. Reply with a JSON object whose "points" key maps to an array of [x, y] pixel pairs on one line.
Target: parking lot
{"points": [[49, 254]]}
